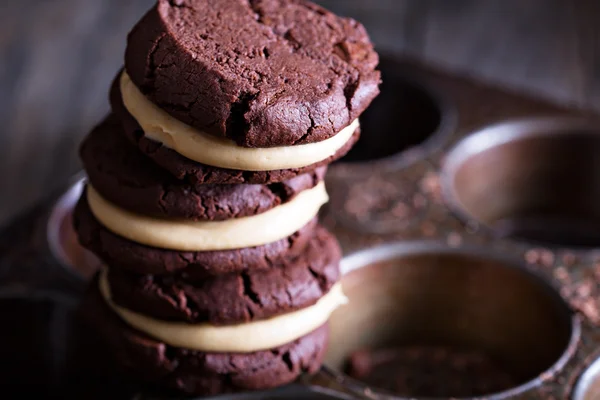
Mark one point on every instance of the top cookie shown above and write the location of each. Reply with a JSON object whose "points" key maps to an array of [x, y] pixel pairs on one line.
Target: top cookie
{"points": [[263, 73]]}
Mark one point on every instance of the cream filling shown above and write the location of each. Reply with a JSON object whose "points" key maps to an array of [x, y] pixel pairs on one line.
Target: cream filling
{"points": [[182, 235], [220, 152], [241, 338]]}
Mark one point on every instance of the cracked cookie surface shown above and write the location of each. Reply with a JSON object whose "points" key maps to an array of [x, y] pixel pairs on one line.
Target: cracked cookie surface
{"points": [[263, 73], [290, 284], [127, 178], [118, 252], [196, 372]]}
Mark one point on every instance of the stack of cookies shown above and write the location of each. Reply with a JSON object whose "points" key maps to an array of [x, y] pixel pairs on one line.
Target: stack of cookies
{"points": [[204, 187]]}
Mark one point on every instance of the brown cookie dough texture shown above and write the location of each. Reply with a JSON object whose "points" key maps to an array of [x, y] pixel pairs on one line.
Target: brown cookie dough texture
{"points": [[128, 179], [197, 372], [263, 73]]}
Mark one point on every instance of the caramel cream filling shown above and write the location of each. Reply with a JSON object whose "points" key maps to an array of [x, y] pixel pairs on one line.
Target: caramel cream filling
{"points": [[183, 235], [241, 338], [219, 152]]}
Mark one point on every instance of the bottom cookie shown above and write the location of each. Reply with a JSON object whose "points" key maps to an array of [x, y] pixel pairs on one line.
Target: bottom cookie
{"points": [[195, 372]]}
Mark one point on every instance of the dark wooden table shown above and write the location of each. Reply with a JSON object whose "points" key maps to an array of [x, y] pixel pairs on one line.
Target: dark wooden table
{"points": [[57, 58]]}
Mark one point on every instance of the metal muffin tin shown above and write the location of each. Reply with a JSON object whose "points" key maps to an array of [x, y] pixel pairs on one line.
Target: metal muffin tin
{"points": [[467, 215]]}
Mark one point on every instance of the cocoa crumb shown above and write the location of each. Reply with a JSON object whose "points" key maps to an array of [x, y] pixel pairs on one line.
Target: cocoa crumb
{"points": [[428, 229], [400, 210], [431, 184], [532, 256], [562, 275], [589, 308], [547, 258], [566, 292], [419, 201], [597, 271], [584, 289], [569, 259], [379, 199], [454, 239], [540, 256]]}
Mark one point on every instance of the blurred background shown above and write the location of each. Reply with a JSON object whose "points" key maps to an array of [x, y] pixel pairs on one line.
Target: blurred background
{"points": [[57, 58]]}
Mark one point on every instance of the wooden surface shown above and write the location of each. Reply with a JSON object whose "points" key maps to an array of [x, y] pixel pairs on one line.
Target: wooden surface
{"points": [[57, 58]]}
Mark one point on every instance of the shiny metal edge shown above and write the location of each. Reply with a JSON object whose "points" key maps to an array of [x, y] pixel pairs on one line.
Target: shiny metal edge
{"points": [[586, 380], [292, 391], [61, 206]]}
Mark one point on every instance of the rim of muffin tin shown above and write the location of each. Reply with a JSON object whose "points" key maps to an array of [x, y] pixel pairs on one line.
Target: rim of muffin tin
{"points": [[498, 134], [291, 391], [586, 378], [60, 209], [415, 153], [395, 250]]}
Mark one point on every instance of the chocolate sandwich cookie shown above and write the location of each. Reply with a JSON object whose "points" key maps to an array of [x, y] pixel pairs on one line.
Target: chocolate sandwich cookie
{"points": [[197, 173], [196, 372], [262, 73], [124, 176], [119, 252], [291, 284]]}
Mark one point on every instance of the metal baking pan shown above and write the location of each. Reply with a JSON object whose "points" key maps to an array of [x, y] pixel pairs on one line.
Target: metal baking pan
{"points": [[468, 218]]}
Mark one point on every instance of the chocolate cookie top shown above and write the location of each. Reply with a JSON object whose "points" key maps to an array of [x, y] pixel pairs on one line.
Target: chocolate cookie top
{"points": [[124, 176], [263, 73], [119, 252], [199, 174], [291, 284]]}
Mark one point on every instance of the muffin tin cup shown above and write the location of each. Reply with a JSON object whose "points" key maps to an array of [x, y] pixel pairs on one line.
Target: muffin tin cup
{"points": [[535, 179], [418, 119], [460, 263], [425, 295]]}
